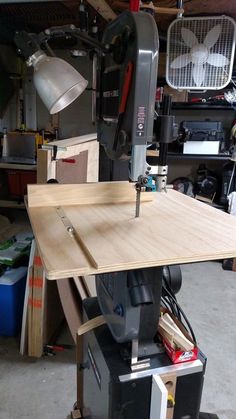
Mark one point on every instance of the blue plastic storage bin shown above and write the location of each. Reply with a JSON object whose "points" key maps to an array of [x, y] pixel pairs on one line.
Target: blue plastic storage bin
{"points": [[12, 291]]}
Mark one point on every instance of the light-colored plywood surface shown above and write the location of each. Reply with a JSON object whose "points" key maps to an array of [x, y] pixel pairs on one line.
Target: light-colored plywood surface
{"points": [[68, 142], [82, 194], [171, 229], [60, 252]]}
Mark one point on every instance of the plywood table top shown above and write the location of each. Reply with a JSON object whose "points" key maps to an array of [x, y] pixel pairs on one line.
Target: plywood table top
{"points": [[89, 229]]}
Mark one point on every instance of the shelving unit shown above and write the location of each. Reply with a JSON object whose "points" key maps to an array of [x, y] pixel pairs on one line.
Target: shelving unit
{"points": [[152, 158], [16, 166], [14, 203], [201, 106], [11, 204], [174, 156], [186, 165]]}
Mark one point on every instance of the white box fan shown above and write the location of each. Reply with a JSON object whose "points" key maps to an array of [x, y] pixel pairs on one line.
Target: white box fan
{"points": [[200, 52]]}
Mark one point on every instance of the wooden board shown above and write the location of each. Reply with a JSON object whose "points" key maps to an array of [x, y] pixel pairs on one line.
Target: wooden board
{"points": [[48, 168], [36, 300], [71, 303], [90, 285], [74, 170], [85, 194], [26, 310], [73, 141], [171, 229]]}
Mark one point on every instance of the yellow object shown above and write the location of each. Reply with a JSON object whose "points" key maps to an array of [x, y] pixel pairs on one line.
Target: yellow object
{"points": [[170, 400]]}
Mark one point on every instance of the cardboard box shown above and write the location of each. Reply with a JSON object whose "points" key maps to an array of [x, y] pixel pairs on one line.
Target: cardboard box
{"points": [[177, 96], [178, 356]]}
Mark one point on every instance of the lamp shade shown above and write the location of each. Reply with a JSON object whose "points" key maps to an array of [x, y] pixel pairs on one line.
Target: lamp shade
{"points": [[56, 81]]}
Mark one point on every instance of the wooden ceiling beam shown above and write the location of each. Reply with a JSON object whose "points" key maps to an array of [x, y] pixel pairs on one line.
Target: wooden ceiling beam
{"points": [[103, 9], [123, 5]]}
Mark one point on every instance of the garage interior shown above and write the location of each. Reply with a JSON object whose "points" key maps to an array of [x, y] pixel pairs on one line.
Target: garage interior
{"points": [[117, 209]]}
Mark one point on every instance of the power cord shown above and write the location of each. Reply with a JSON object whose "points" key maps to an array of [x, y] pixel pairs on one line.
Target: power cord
{"points": [[170, 301]]}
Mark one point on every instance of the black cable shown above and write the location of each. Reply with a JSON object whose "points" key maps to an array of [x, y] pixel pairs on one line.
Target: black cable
{"points": [[170, 305], [173, 297], [164, 302], [182, 313], [176, 309]]}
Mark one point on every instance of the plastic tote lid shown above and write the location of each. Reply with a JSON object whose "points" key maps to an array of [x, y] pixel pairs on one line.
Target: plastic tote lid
{"points": [[11, 276]]}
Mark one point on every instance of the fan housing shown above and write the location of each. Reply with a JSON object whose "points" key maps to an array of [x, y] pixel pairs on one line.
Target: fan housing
{"points": [[200, 52]]}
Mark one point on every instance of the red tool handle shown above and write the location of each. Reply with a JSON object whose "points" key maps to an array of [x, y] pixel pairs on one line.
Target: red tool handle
{"points": [[55, 348], [126, 87], [68, 161], [134, 5]]}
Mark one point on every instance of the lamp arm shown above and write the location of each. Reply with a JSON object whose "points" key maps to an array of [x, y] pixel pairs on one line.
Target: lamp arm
{"points": [[60, 31], [27, 43]]}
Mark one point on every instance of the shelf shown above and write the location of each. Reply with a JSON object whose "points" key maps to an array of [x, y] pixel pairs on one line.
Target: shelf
{"points": [[200, 106], [17, 166], [179, 156], [11, 204], [176, 156]]}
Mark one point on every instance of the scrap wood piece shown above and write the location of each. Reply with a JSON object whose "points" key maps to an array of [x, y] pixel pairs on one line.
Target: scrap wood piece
{"points": [[26, 317], [80, 287], [177, 336], [36, 307], [83, 413], [86, 286], [166, 317], [91, 324], [76, 414], [71, 303], [89, 283], [167, 336]]}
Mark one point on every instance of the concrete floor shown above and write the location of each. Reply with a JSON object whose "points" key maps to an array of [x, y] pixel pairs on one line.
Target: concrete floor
{"points": [[46, 388]]}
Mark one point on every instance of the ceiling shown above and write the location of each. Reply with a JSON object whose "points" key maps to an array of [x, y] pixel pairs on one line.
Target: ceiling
{"points": [[191, 7], [35, 16]]}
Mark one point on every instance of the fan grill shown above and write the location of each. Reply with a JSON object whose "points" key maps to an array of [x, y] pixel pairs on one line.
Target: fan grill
{"points": [[215, 77]]}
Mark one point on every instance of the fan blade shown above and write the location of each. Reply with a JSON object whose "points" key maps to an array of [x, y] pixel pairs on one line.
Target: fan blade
{"points": [[181, 61], [189, 37], [217, 60], [212, 36], [198, 74]]}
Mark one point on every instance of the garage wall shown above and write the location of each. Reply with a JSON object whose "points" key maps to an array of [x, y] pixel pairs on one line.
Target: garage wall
{"points": [[10, 64]]}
